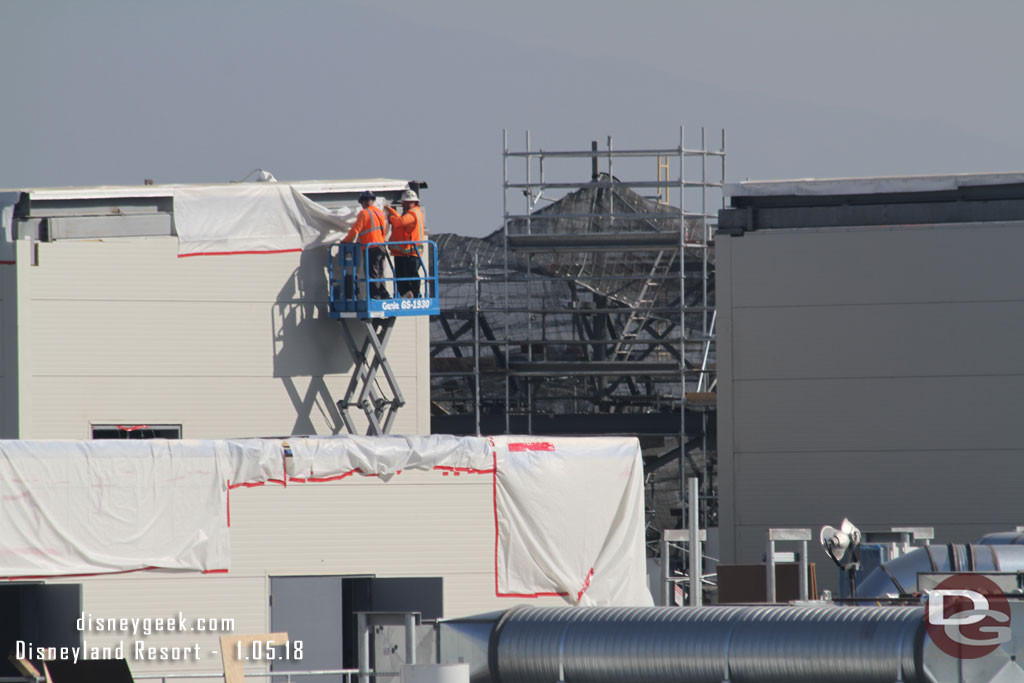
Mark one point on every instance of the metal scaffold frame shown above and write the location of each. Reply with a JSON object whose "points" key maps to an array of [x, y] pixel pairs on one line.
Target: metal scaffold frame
{"points": [[604, 308]]}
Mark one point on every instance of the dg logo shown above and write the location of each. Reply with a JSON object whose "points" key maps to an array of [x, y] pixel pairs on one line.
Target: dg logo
{"points": [[967, 616]]}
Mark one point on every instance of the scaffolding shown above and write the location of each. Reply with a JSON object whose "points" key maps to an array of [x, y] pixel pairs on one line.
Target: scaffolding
{"points": [[591, 311]]}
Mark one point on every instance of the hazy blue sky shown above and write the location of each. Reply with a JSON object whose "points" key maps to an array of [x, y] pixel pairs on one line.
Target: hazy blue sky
{"points": [[108, 92]]}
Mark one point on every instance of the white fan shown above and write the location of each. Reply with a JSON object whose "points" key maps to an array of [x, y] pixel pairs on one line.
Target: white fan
{"points": [[841, 544]]}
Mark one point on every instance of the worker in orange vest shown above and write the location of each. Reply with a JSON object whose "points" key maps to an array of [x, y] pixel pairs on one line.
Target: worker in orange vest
{"points": [[408, 227], [368, 230]]}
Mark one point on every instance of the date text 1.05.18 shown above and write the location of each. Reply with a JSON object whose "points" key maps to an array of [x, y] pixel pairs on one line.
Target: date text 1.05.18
{"points": [[268, 650]]}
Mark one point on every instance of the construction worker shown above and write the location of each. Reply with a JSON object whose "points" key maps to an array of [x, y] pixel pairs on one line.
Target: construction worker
{"points": [[408, 227], [369, 229]]}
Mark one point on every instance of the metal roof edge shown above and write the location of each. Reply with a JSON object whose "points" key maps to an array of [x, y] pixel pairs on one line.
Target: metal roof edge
{"points": [[870, 185], [134, 191]]}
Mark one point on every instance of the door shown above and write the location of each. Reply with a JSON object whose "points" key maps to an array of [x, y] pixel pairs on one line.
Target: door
{"points": [[310, 610]]}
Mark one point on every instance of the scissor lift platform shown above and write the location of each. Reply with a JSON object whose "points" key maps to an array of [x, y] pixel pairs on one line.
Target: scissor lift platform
{"points": [[349, 285]]}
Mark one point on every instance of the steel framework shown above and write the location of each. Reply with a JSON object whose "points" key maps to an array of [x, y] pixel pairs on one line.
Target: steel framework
{"points": [[591, 311]]}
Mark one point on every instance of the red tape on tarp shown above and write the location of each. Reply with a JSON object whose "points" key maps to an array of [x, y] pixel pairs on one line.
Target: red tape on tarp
{"points": [[531, 446]]}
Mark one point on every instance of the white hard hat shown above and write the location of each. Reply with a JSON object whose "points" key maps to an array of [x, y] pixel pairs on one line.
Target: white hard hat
{"points": [[410, 196]]}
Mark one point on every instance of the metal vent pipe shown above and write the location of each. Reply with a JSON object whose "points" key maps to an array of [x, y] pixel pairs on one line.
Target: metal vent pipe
{"points": [[767, 644]]}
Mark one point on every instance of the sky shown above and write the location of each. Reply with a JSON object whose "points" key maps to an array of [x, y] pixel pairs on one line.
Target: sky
{"points": [[113, 92]]}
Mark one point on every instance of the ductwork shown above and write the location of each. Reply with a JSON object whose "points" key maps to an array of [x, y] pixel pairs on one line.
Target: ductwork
{"points": [[1003, 538], [810, 643], [701, 644], [707, 645], [899, 576]]}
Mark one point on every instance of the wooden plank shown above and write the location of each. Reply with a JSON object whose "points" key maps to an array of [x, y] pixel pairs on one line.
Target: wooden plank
{"points": [[229, 645], [24, 666]]}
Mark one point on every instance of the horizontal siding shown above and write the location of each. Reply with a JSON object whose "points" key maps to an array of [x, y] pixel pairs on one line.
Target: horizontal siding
{"points": [[147, 269], [810, 267], [208, 407], [123, 331], [879, 340], [223, 339], [439, 526], [469, 594]]}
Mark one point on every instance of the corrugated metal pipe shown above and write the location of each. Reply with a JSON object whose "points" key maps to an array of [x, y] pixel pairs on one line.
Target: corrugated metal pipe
{"points": [[767, 644], [899, 576]]}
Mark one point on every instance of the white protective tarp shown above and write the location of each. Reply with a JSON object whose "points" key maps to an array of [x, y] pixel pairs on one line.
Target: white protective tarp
{"points": [[385, 456], [568, 512], [82, 507], [571, 519], [254, 218]]}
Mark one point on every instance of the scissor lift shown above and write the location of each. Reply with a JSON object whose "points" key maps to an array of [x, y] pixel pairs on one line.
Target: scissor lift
{"points": [[350, 304]]}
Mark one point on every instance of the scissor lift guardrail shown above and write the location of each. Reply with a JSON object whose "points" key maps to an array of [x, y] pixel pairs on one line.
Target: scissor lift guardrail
{"points": [[348, 271]]}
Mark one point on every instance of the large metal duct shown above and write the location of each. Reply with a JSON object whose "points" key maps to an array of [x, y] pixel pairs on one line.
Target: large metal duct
{"points": [[899, 576], [1003, 538], [766, 644]]}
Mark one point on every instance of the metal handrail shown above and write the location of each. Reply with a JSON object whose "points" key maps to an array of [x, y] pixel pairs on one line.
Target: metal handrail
{"points": [[428, 274], [287, 675]]}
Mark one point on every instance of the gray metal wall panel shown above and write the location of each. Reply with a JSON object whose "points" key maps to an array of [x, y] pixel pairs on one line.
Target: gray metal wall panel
{"points": [[875, 414], [879, 340], [87, 227], [881, 489], [309, 609], [725, 348], [832, 266], [873, 373]]}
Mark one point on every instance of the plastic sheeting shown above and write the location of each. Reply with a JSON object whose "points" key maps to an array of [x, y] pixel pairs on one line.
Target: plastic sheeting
{"points": [[568, 512], [81, 507], [254, 218], [385, 456], [570, 515]]}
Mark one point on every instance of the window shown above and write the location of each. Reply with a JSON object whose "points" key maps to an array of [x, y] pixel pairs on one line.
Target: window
{"points": [[130, 431]]}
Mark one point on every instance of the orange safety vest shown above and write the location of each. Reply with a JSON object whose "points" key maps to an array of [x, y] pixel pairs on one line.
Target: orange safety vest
{"points": [[416, 233], [374, 232]]}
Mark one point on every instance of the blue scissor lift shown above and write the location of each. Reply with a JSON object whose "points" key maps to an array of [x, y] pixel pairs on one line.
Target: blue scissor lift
{"points": [[349, 285]]}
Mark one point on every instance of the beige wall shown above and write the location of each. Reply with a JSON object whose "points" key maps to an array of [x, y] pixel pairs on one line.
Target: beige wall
{"points": [[121, 331], [417, 524]]}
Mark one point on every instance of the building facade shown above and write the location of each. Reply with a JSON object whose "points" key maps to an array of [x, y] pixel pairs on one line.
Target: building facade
{"points": [[108, 330], [869, 357], [105, 329]]}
